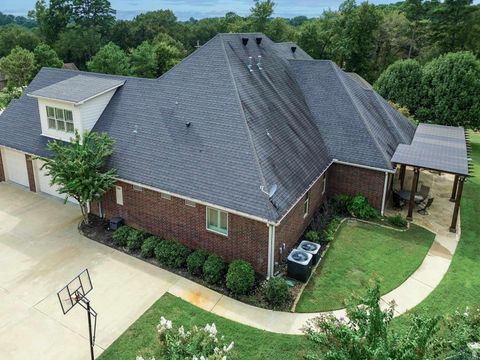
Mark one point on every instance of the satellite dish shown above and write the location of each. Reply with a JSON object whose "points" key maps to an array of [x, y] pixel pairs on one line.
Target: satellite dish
{"points": [[270, 192]]}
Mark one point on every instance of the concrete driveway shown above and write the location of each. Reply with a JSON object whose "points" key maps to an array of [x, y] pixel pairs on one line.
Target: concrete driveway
{"points": [[40, 251]]}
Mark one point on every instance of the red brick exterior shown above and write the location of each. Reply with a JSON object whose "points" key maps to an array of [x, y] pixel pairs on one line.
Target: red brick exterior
{"points": [[2, 171], [31, 174], [344, 179], [294, 223], [172, 219]]}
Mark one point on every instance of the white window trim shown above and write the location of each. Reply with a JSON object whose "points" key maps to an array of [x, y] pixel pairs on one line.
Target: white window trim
{"points": [[306, 200], [190, 203], [119, 194], [137, 188], [56, 120], [206, 221], [165, 196]]}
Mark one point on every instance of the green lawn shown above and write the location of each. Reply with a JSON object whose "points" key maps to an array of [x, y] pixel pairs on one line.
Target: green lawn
{"points": [[359, 253], [461, 285], [250, 343]]}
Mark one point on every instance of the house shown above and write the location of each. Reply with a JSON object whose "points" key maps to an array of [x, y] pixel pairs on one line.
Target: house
{"points": [[231, 151]]}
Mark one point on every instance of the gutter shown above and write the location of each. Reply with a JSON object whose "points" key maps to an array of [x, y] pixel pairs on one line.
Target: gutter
{"points": [[391, 171], [271, 251], [384, 198]]}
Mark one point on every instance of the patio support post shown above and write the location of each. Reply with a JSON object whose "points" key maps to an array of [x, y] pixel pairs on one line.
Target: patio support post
{"points": [[454, 190], [453, 226], [416, 174], [402, 175]]}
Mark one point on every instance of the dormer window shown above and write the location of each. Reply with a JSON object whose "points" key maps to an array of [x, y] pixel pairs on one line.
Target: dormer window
{"points": [[60, 119]]}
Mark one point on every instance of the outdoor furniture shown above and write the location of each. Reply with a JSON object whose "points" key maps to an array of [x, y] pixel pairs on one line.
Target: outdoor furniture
{"points": [[405, 195], [424, 209], [424, 192], [398, 202]]}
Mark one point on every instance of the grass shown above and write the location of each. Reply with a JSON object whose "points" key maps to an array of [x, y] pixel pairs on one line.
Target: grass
{"points": [[359, 253], [250, 343], [461, 285]]}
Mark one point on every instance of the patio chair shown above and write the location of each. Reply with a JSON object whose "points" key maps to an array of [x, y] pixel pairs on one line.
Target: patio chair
{"points": [[398, 202], [424, 209], [424, 192]]}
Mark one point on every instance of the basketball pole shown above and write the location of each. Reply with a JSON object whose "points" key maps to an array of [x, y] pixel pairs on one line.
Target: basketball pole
{"points": [[92, 356]]}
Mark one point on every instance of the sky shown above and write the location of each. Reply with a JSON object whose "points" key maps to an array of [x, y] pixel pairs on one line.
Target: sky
{"points": [[184, 9]]}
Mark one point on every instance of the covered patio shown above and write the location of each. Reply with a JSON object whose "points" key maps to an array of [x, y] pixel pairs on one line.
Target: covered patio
{"points": [[437, 155]]}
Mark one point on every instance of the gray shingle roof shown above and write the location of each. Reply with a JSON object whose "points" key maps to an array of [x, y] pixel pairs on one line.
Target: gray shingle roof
{"points": [[77, 88], [436, 147], [282, 124]]}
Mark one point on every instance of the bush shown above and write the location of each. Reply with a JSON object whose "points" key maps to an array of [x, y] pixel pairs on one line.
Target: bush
{"points": [[172, 253], [195, 262], [341, 203], [120, 236], [240, 277], [312, 236], [397, 220], [277, 291], [135, 239], [329, 232], [148, 247], [213, 269], [361, 208]]}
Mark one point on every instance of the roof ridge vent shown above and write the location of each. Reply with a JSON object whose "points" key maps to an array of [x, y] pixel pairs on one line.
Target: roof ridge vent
{"points": [[258, 40], [293, 48], [244, 41]]}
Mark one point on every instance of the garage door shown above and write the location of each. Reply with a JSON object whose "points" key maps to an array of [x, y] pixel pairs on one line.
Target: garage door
{"points": [[43, 181], [16, 167]]}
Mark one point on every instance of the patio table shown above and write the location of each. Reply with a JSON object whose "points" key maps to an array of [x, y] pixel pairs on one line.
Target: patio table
{"points": [[405, 195]]}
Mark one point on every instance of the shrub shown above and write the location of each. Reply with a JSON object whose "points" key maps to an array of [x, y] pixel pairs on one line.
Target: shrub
{"points": [[397, 220], [240, 277], [120, 236], [341, 203], [195, 262], [361, 208], [277, 291], [312, 236], [135, 239], [329, 232], [213, 269], [172, 253], [148, 247]]}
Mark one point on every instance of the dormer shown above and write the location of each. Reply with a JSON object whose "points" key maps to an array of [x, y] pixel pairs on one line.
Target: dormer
{"points": [[73, 104]]}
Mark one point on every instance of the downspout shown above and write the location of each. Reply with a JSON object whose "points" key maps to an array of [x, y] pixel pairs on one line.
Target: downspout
{"points": [[384, 193], [271, 251]]}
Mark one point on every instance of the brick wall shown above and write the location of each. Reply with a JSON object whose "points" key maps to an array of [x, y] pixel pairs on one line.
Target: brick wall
{"points": [[294, 223], [350, 180], [172, 219], [2, 171], [31, 175]]}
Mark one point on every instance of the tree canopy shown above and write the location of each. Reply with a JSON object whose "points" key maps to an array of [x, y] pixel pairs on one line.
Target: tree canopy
{"points": [[110, 59], [18, 67], [45, 56]]}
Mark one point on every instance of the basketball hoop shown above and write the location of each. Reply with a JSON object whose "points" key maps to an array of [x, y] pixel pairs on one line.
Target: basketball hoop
{"points": [[75, 293]]}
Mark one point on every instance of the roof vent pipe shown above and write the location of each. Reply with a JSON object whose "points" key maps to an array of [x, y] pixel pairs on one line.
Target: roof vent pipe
{"points": [[293, 48], [258, 40], [244, 41], [250, 64]]}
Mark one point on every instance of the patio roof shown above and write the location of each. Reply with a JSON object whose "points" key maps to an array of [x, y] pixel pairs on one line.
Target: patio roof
{"points": [[435, 147]]}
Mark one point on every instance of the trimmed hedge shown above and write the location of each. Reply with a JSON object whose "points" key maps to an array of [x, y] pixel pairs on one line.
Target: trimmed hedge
{"points": [[135, 239], [277, 292], [172, 253], [240, 277], [148, 247], [213, 269], [120, 236], [195, 262]]}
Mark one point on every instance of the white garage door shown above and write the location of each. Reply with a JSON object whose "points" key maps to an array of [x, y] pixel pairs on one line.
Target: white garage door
{"points": [[16, 167], [43, 181]]}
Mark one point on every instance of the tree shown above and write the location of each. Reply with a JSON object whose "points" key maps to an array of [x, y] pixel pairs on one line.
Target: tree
{"points": [[18, 67], [451, 91], [314, 36], [143, 60], [52, 19], [78, 46], [8, 94], [367, 334], [279, 30], [15, 35], [401, 83], [78, 168], [45, 56], [260, 13], [93, 13], [148, 25], [110, 59]]}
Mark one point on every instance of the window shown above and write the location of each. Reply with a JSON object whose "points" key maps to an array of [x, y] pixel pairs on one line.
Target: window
{"points": [[60, 119], [217, 221], [324, 185], [119, 194], [306, 204], [166, 196], [190, 203]]}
